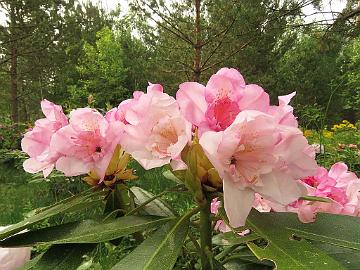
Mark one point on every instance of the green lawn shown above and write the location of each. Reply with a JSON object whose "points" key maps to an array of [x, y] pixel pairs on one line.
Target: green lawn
{"points": [[17, 196]]}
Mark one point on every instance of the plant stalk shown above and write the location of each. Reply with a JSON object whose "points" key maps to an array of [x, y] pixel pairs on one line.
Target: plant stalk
{"points": [[205, 236]]}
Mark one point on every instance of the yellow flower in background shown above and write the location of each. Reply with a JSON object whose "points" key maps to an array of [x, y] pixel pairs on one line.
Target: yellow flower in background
{"points": [[116, 171], [327, 134], [308, 133], [344, 125]]}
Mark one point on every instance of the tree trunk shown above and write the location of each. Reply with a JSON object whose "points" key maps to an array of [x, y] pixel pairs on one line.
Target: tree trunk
{"points": [[13, 68], [14, 86], [197, 46]]}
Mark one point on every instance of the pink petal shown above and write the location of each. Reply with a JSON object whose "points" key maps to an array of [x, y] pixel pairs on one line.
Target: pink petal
{"points": [[191, 99], [237, 203], [153, 88], [280, 187], [254, 98], [72, 166]]}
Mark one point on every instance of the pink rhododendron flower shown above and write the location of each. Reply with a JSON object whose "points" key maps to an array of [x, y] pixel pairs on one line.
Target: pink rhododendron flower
{"points": [[257, 155], [260, 204], [87, 143], [13, 258], [338, 185], [156, 132], [216, 105], [36, 142], [119, 113], [284, 112]]}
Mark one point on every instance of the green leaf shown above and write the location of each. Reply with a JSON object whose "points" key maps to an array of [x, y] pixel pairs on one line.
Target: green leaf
{"points": [[63, 257], [231, 238], [337, 230], [87, 231], [168, 174], [348, 257], [118, 199], [30, 264], [340, 230], [315, 199], [74, 203], [160, 250], [285, 251], [156, 207]]}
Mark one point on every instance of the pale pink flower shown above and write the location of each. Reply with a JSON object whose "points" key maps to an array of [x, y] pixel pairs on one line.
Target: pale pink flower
{"points": [[87, 143], [260, 204], [339, 185], [119, 113], [284, 112], [36, 142], [156, 132], [216, 105], [214, 209], [257, 155], [13, 258]]}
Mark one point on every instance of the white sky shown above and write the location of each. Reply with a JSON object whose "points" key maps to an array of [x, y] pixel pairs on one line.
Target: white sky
{"points": [[328, 6]]}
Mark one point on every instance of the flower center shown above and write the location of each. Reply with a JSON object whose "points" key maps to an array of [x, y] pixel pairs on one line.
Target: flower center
{"points": [[222, 112]]}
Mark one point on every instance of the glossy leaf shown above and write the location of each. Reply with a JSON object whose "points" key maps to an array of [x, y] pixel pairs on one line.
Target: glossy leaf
{"points": [[231, 238], [87, 231], [63, 257], [160, 250], [285, 251], [80, 201], [337, 230], [155, 207]]}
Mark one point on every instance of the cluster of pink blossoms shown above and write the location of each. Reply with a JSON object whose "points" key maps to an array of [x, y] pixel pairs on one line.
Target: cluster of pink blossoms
{"points": [[256, 147], [338, 185]]}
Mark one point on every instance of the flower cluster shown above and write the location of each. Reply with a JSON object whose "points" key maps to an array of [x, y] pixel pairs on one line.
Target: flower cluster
{"points": [[256, 148], [344, 125], [338, 185]]}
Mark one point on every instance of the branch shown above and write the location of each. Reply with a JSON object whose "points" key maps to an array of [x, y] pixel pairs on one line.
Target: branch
{"points": [[223, 32], [180, 33], [218, 45], [227, 56]]}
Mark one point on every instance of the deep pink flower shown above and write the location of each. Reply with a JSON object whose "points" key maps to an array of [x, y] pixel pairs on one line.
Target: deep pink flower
{"points": [[257, 155], [36, 142], [339, 185], [156, 132], [216, 105], [87, 143]]}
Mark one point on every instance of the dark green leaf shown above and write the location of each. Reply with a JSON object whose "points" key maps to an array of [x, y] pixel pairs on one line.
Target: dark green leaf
{"points": [[283, 250], [231, 238], [348, 257], [160, 250], [87, 231], [155, 207], [337, 230], [80, 201], [30, 264], [63, 257], [169, 175]]}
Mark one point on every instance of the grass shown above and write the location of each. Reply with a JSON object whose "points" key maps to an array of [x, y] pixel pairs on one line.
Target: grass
{"points": [[17, 196]]}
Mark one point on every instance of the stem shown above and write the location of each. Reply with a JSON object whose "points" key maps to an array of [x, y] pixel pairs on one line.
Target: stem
{"points": [[205, 236]]}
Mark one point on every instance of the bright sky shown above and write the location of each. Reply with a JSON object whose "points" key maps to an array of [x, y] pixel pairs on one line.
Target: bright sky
{"points": [[328, 6]]}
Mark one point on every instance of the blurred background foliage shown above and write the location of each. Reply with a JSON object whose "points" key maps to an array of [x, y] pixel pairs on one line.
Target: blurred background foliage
{"points": [[76, 53]]}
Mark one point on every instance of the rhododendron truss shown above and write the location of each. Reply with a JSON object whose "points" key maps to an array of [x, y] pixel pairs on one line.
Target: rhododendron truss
{"points": [[247, 167], [339, 185]]}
